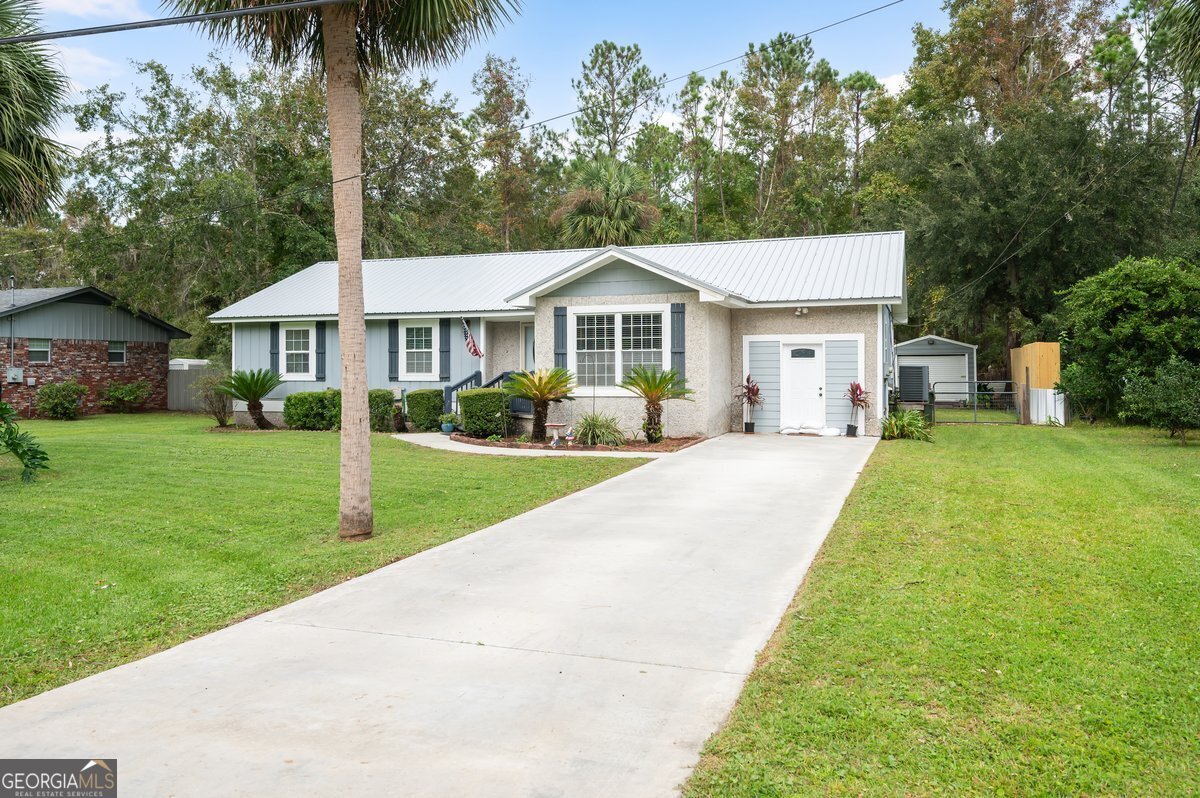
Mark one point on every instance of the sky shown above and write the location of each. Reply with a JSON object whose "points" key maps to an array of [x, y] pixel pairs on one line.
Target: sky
{"points": [[549, 39]]}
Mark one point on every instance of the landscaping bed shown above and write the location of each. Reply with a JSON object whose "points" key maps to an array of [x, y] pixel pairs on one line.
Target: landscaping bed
{"points": [[516, 442]]}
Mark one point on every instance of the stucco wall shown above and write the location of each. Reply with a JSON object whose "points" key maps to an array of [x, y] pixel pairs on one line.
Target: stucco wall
{"points": [[503, 347], [818, 321], [701, 416]]}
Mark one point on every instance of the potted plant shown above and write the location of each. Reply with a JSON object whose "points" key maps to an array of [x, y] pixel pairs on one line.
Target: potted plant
{"points": [[859, 400], [448, 421], [750, 395]]}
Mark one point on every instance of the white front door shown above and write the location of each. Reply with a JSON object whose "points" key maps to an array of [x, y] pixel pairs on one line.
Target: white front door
{"points": [[802, 405]]}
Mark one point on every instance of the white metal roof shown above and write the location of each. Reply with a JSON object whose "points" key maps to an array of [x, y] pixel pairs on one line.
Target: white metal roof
{"points": [[856, 268]]}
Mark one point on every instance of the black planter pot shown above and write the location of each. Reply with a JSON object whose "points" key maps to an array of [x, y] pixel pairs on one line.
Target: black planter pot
{"points": [[748, 427], [851, 430]]}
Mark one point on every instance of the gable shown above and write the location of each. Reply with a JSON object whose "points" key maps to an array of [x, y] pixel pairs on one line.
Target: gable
{"points": [[618, 279], [85, 321]]}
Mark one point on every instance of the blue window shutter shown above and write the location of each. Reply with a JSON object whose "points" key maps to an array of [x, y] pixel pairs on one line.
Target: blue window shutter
{"points": [[444, 371], [677, 337], [275, 347], [393, 350], [320, 370], [560, 338]]}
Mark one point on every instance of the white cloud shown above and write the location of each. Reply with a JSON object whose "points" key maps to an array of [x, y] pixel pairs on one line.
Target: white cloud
{"points": [[895, 83], [105, 9], [85, 68]]}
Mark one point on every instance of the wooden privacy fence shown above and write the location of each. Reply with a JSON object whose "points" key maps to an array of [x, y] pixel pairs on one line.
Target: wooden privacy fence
{"points": [[181, 386], [1035, 371]]}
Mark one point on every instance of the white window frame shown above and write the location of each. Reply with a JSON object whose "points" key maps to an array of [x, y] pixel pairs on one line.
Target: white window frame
{"points": [[49, 350], [421, 376], [615, 310], [124, 353], [311, 374]]}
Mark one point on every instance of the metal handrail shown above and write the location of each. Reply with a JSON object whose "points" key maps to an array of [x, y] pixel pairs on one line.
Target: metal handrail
{"points": [[473, 380]]}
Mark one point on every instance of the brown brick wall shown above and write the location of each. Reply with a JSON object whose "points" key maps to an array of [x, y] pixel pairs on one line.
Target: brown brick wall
{"points": [[87, 362]]}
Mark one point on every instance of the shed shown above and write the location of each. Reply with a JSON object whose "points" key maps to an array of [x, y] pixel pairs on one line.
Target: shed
{"points": [[951, 365]]}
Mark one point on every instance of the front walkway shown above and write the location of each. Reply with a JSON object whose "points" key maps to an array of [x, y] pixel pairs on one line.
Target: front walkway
{"points": [[586, 648]]}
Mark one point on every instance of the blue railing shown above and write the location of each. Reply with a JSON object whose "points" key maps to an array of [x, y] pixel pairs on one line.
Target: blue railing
{"points": [[450, 392], [516, 405]]}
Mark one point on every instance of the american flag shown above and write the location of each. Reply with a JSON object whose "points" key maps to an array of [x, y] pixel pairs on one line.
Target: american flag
{"points": [[472, 347]]}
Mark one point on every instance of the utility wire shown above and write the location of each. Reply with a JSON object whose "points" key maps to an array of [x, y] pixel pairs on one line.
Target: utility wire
{"points": [[530, 125], [159, 22]]}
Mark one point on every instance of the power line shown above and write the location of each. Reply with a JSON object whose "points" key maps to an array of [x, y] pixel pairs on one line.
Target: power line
{"points": [[158, 22], [528, 126]]}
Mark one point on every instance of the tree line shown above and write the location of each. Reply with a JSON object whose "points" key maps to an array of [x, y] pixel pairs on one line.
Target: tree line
{"points": [[1035, 143]]}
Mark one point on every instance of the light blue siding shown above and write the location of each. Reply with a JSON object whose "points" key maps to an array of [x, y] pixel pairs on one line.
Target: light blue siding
{"points": [[764, 368], [619, 279], [252, 350], [84, 321], [841, 369]]}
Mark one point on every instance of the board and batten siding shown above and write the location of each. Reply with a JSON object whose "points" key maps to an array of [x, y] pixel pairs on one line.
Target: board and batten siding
{"points": [[252, 350], [764, 367], [84, 321], [841, 369], [618, 279]]}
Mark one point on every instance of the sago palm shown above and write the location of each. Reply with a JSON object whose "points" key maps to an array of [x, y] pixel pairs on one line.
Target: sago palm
{"points": [[655, 387], [609, 206], [251, 387], [348, 42], [541, 387], [32, 91]]}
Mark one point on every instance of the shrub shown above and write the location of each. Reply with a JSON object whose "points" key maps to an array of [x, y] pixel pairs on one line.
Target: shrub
{"points": [[543, 388], [1086, 388], [125, 397], [484, 411], [448, 418], [381, 404], [1169, 400], [313, 410], [598, 429], [906, 424], [212, 400], [20, 445], [655, 387], [424, 407], [61, 400], [252, 387]]}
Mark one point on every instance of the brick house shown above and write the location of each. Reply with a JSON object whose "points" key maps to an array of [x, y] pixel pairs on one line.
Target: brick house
{"points": [[50, 335]]}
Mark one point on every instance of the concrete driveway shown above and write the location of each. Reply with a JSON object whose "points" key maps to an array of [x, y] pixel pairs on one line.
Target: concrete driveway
{"points": [[586, 648]]}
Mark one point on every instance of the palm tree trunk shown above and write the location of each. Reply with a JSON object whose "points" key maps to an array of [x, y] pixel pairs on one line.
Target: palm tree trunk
{"points": [[540, 411], [255, 411], [344, 101]]}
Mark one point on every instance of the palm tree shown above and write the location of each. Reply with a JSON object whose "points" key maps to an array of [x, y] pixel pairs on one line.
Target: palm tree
{"points": [[32, 91], [1180, 20], [655, 387], [251, 387], [609, 206], [348, 42], [541, 387]]}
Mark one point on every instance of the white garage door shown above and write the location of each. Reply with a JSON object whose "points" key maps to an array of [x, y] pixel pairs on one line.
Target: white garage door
{"points": [[949, 370]]}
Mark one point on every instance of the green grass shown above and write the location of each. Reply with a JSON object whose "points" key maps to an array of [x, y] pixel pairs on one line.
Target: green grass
{"points": [[1006, 611], [983, 414], [150, 529]]}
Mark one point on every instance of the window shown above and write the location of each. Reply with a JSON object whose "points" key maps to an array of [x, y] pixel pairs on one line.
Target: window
{"points": [[116, 352], [297, 352], [39, 350], [804, 353], [609, 345], [418, 350]]}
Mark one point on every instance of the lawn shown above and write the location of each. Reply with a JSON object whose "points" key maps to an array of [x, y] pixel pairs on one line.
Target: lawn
{"points": [[1006, 611], [989, 415], [150, 529]]}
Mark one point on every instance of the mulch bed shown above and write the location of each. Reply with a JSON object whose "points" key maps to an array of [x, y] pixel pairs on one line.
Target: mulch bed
{"points": [[666, 445]]}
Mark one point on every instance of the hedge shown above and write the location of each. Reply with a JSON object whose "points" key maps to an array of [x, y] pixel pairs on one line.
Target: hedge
{"points": [[381, 403], [424, 407], [313, 410], [484, 411]]}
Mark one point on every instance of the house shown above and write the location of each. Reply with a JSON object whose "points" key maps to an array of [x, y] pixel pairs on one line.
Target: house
{"points": [[950, 366], [50, 335], [803, 316]]}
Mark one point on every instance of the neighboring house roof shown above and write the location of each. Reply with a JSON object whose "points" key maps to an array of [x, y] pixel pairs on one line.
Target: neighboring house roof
{"points": [[23, 299], [935, 338], [860, 267]]}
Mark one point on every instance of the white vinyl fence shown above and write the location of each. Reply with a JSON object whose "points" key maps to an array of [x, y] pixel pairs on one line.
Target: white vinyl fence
{"points": [[1047, 406]]}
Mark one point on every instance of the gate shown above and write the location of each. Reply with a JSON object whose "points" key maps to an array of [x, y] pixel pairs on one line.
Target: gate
{"points": [[986, 402]]}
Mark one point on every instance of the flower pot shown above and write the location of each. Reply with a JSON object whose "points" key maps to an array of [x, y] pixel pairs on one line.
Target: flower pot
{"points": [[748, 427], [851, 430], [447, 429]]}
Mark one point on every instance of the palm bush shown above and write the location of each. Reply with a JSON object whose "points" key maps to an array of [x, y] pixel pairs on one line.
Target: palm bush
{"points": [[906, 424], [610, 205], [655, 387], [599, 429], [21, 445], [252, 387], [541, 387]]}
